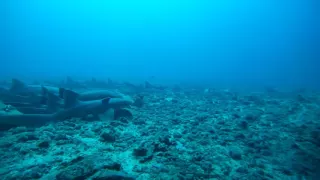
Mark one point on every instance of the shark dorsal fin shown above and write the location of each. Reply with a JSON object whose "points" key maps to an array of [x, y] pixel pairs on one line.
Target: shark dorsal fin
{"points": [[70, 98], [17, 85]]}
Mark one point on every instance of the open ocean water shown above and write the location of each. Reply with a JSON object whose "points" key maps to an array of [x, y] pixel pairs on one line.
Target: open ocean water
{"points": [[160, 90]]}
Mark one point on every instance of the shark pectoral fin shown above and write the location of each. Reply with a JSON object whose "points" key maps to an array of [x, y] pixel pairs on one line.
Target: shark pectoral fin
{"points": [[118, 113], [70, 98], [16, 84], [108, 115], [105, 101]]}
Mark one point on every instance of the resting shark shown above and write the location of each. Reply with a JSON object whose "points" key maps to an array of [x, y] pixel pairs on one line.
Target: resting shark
{"points": [[73, 108], [18, 87], [26, 97], [11, 117], [94, 94], [9, 98]]}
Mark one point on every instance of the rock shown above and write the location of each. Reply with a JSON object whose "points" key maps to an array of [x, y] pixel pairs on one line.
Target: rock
{"points": [[140, 152], [44, 144], [107, 137], [112, 175], [235, 152]]}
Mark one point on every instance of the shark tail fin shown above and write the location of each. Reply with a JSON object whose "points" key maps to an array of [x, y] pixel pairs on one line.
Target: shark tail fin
{"points": [[43, 100], [52, 101], [17, 85], [70, 98], [61, 92]]}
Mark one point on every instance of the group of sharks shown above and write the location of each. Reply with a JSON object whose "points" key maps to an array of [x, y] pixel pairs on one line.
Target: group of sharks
{"points": [[33, 105]]}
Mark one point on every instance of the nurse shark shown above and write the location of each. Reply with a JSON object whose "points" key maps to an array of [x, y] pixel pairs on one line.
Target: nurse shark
{"points": [[73, 108]]}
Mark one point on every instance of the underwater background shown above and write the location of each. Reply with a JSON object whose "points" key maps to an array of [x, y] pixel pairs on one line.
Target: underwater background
{"points": [[159, 89], [226, 42]]}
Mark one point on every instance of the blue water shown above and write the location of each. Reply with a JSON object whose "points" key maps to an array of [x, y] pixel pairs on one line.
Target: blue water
{"points": [[205, 89], [243, 42]]}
